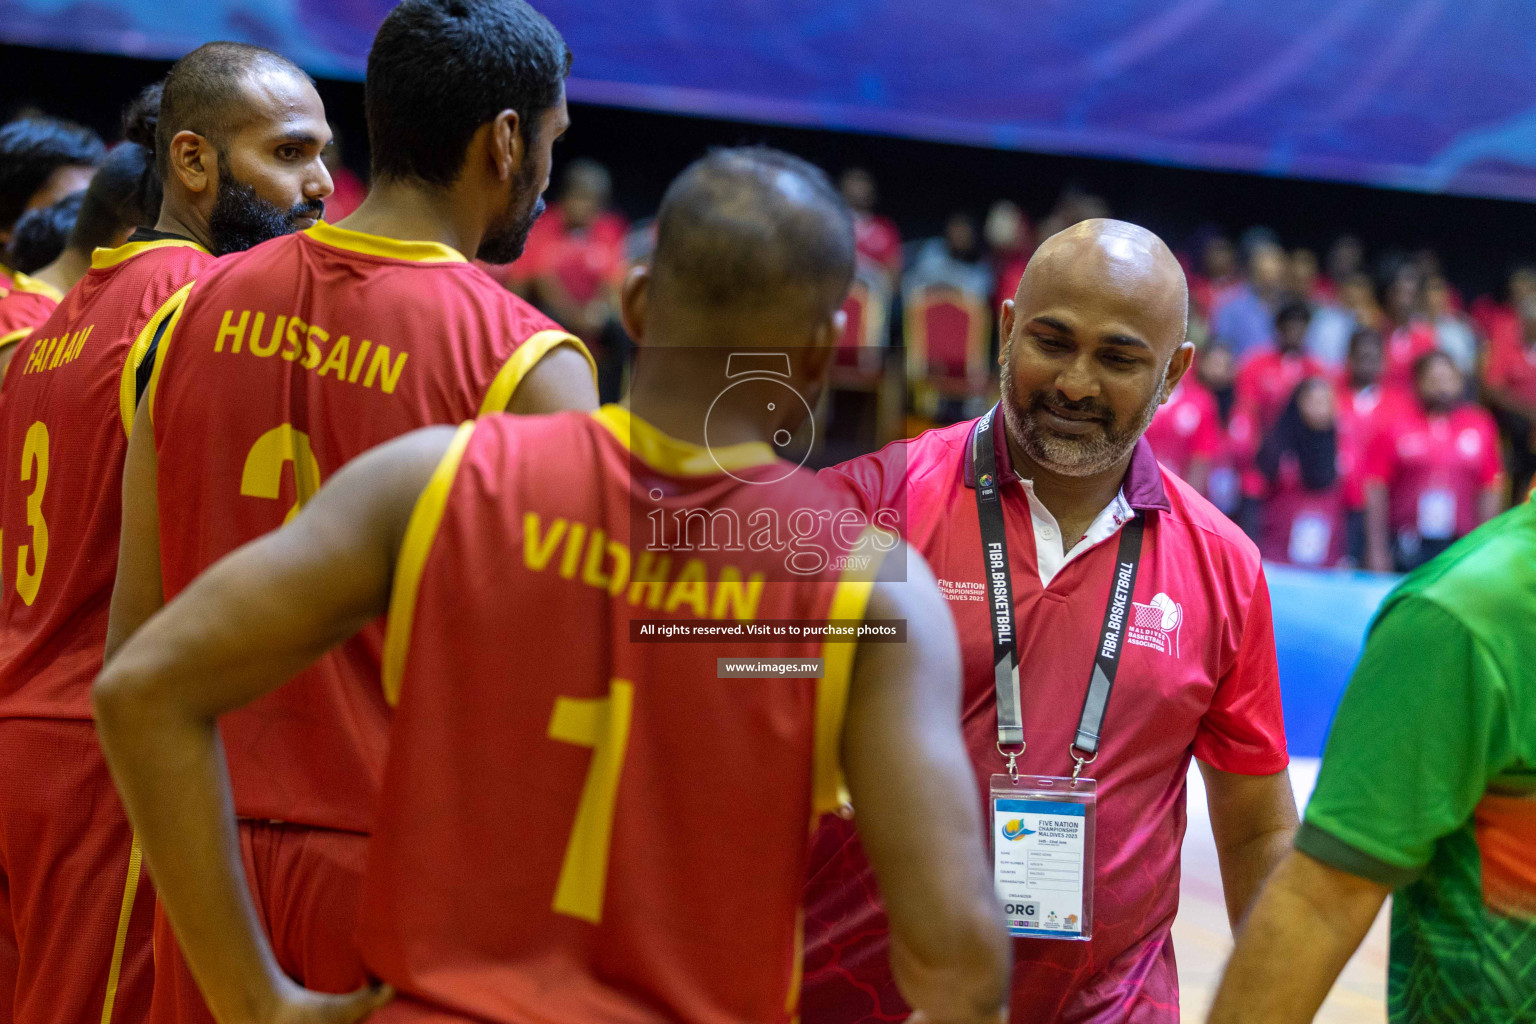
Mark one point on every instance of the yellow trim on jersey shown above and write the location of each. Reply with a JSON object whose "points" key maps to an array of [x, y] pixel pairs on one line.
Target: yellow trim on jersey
{"points": [[524, 360], [849, 601], [36, 287], [796, 967], [18, 334], [179, 302], [101, 259], [124, 915], [420, 530], [679, 458], [127, 389], [378, 245]]}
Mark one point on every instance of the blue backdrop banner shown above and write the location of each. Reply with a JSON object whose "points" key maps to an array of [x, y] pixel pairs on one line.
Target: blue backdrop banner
{"points": [[1320, 624], [1425, 94]]}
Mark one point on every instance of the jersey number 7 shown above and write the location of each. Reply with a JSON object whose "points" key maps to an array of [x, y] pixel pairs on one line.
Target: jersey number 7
{"points": [[603, 725]]}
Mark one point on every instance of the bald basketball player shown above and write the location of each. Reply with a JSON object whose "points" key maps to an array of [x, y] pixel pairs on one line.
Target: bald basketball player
{"points": [[237, 150], [642, 857], [280, 366], [1134, 633]]}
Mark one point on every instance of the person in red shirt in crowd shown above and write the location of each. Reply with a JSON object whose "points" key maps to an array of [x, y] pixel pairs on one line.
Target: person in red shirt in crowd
{"points": [[573, 266], [1364, 407], [1071, 496], [1009, 243], [877, 238], [1303, 278], [1489, 312], [1270, 375], [1216, 372], [1509, 386], [1434, 476], [349, 190], [574, 262], [1187, 432], [1346, 258], [1301, 461], [1264, 385], [1410, 337]]}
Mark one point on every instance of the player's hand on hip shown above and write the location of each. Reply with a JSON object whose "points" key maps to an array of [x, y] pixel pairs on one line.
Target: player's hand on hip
{"points": [[301, 1006]]}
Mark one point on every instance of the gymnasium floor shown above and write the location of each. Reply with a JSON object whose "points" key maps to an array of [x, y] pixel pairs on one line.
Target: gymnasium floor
{"points": [[1204, 940]]}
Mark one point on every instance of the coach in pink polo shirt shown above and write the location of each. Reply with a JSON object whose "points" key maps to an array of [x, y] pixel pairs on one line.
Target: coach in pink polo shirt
{"points": [[1093, 342]]}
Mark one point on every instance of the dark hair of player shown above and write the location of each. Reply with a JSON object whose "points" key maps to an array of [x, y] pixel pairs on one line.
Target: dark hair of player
{"points": [[439, 69], [203, 93], [126, 190], [40, 234], [31, 149], [754, 228]]}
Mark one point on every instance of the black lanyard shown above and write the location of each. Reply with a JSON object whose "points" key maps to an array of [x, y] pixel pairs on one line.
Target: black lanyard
{"points": [[1005, 653]]}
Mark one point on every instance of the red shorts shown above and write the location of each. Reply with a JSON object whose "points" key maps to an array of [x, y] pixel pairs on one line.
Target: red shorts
{"points": [[305, 882], [75, 904]]}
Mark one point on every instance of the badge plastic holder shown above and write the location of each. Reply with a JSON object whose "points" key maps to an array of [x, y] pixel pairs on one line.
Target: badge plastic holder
{"points": [[1042, 831]]}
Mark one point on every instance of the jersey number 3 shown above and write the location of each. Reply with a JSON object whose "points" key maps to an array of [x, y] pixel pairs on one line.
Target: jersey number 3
{"points": [[34, 470], [603, 725]]}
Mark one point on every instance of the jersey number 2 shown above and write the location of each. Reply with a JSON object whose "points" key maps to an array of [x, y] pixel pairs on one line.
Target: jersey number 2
{"points": [[263, 473], [603, 725]]}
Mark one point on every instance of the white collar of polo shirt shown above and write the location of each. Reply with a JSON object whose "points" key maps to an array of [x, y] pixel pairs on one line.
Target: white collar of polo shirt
{"points": [[1050, 553]]}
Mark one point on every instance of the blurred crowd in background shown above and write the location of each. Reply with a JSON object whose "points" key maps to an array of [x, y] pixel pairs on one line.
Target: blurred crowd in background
{"points": [[1348, 408]]}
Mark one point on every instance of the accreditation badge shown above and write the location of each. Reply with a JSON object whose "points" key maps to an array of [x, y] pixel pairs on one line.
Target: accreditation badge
{"points": [[1042, 854]]}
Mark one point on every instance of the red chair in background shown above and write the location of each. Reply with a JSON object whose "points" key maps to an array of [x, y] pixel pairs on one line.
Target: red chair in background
{"points": [[947, 331], [859, 366]]}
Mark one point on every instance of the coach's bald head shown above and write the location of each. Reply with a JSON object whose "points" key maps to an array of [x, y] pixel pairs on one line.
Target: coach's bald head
{"points": [[1093, 342], [753, 246], [1118, 264]]}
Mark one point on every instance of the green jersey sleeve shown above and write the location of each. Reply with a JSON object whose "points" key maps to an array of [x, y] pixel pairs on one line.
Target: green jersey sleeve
{"points": [[1420, 731]]}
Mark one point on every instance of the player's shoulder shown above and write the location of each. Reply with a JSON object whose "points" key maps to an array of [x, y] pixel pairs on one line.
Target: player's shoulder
{"points": [[503, 437], [509, 425], [1204, 528], [1483, 579], [142, 256], [932, 458], [524, 319]]}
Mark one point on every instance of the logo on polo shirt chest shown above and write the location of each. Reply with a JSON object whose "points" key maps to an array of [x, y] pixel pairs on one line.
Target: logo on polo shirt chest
{"points": [[1156, 624], [963, 590]]}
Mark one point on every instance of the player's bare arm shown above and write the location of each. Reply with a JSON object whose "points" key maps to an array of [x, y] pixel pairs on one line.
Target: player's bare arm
{"points": [[1254, 821], [242, 629], [918, 811], [1309, 920], [559, 381], [138, 592]]}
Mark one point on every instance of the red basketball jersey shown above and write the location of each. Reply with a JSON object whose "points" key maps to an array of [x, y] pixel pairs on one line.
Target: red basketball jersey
{"points": [[578, 824], [28, 304], [285, 362], [66, 410]]}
